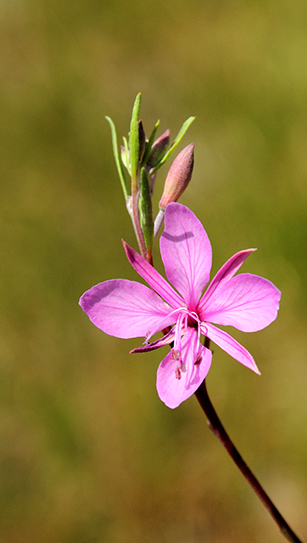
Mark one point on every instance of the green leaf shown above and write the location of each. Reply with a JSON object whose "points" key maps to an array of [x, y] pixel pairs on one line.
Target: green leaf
{"points": [[145, 205], [118, 163], [149, 143], [177, 140], [125, 155], [134, 139]]}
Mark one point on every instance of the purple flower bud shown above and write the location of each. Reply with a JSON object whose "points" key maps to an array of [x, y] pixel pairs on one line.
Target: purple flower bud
{"points": [[178, 176], [158, 149]]}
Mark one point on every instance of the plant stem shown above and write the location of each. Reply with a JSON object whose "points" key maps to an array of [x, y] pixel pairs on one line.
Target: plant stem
{"points": [[136, 222], [217, 428], [158, 222]]}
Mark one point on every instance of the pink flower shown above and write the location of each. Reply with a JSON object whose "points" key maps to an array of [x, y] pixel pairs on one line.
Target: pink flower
{"points": [[127, 309]]}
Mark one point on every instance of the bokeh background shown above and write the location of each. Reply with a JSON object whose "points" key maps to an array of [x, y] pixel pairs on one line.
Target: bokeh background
{"points": [[88, 453]]}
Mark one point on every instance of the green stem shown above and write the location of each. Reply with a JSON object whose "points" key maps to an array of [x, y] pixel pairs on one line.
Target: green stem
{"points": [[136, 223], [219, 431]]}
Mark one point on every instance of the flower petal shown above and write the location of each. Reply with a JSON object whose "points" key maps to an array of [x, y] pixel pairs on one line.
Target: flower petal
{"points": [[230, 345], [225, 273], [161, 342], [152, 277], [125, 309], [247, 302], [173, 391], [186, 252]]}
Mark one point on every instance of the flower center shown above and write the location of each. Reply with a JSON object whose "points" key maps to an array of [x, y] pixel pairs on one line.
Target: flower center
{"points": [[185, 319]]}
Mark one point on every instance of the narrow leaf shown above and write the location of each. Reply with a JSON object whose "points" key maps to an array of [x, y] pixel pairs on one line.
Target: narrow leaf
{"points": [[134, 139], [125, 155], [118, 163], [177, 140], [145, 204], [149, 143]]}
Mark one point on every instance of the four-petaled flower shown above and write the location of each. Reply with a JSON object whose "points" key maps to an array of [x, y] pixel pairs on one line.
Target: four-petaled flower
{"points": [[127, 309]]}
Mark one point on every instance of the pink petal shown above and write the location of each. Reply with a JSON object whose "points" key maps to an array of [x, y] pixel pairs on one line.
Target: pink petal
{"points": [[231, 346], [173, 391], [247, 302], [161, 342], [186, 252], [125, 309], [226, 272], [152, 277]]}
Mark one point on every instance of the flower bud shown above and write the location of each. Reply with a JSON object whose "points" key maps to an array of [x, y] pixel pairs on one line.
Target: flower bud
{"points": [[178, 176], [158, 149]]}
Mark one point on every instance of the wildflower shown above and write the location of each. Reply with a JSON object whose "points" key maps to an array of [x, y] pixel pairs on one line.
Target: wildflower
{"points": [[127, 309]]}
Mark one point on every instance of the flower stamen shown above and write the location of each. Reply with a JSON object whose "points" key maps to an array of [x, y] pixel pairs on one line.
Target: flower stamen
{"points": [[151, 333], [175, 355], [198, 359]]}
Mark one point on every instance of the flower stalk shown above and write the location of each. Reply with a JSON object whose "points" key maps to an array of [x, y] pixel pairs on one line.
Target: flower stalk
{"points": [[219, 431], [137, 224]]}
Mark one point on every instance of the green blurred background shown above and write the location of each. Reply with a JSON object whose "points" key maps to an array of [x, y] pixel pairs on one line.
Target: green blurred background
{"points": [[88, 453]]}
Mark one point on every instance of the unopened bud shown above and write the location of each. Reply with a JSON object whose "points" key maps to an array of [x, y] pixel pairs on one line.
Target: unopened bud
{"points": [[158, 149], [178, 176]]}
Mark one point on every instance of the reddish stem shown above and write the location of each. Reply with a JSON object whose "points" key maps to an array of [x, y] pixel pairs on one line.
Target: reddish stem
{"points": [[219, 431], [136, 223]]}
